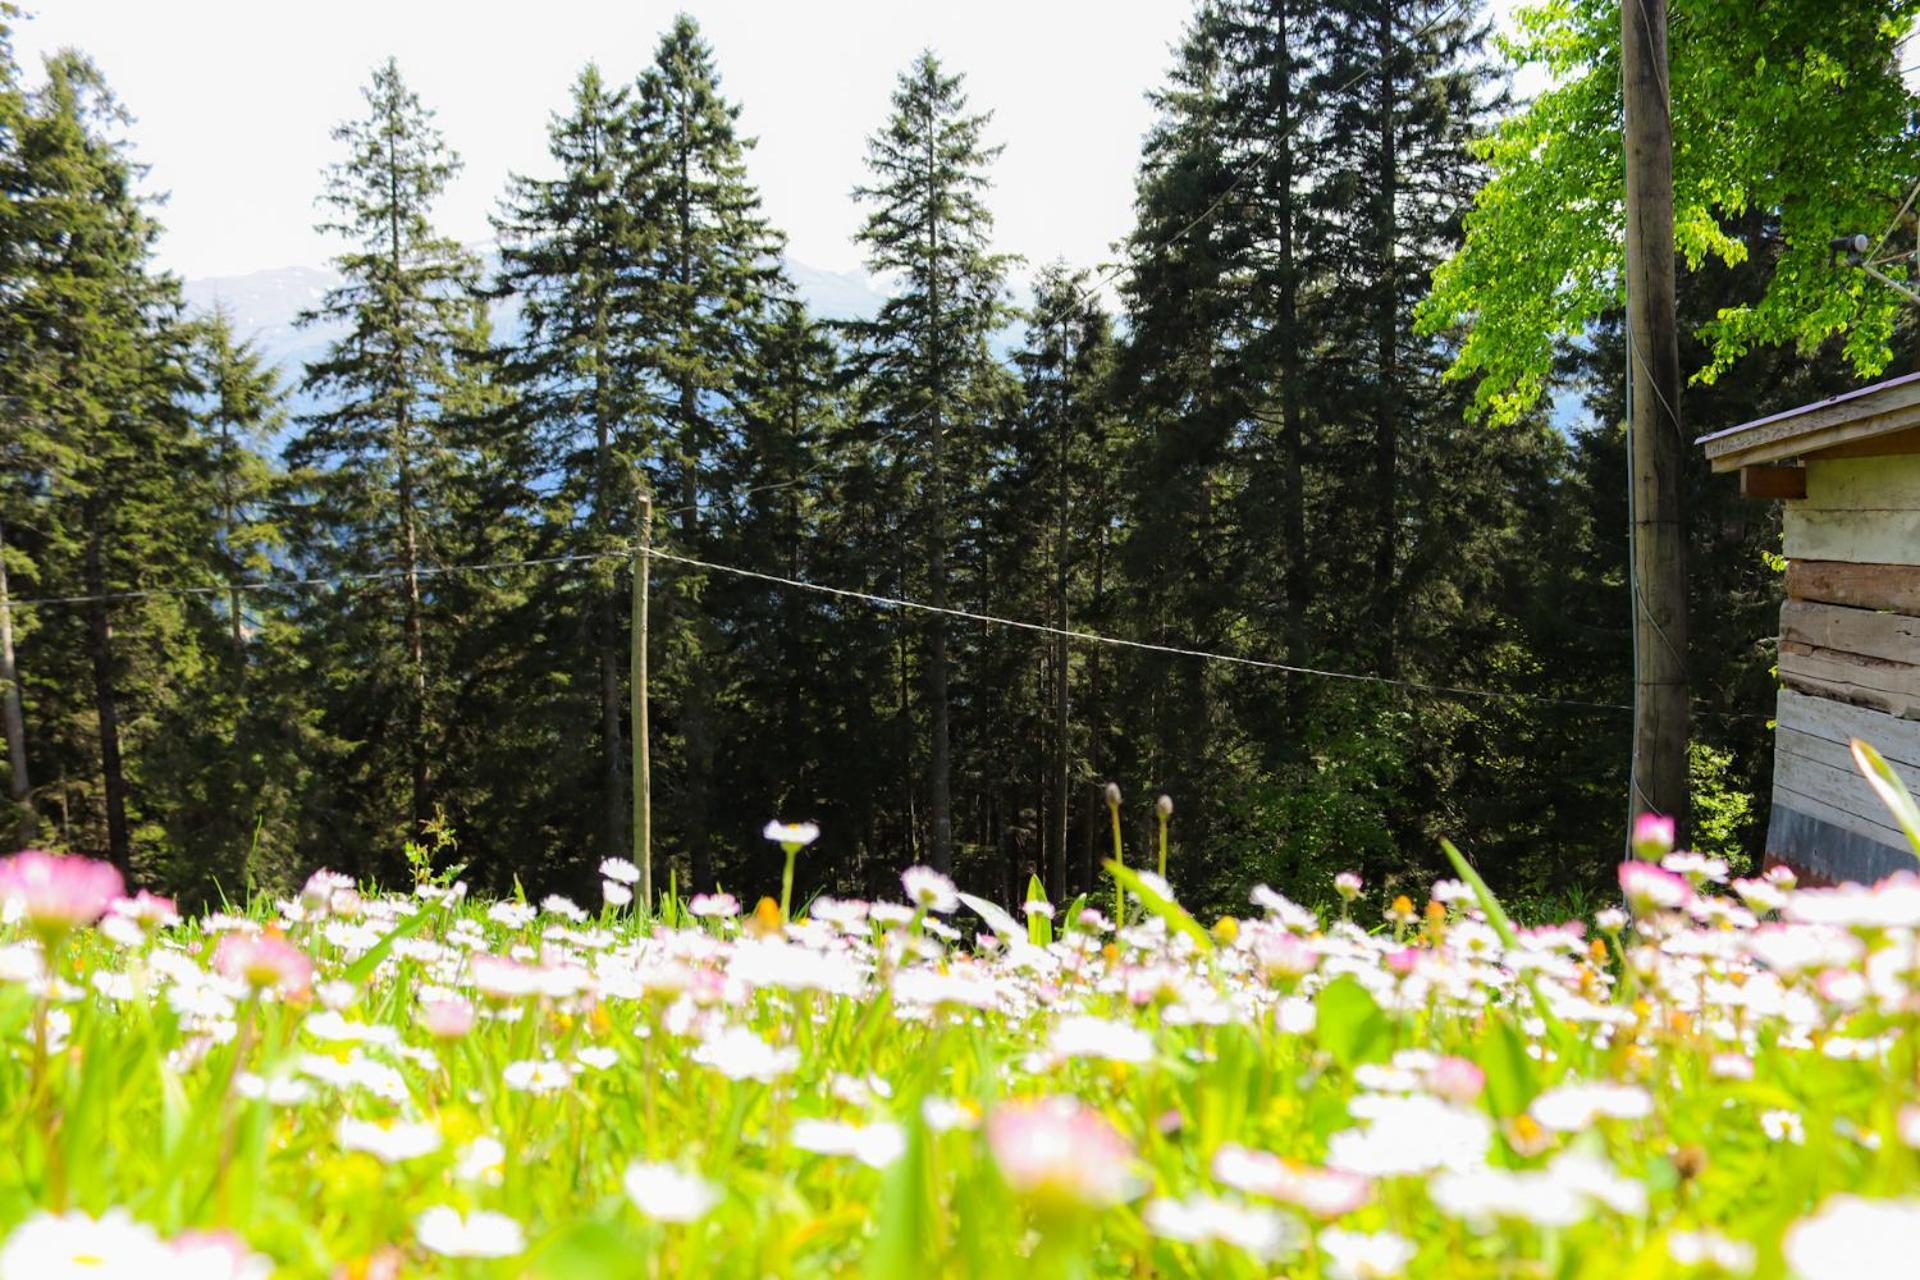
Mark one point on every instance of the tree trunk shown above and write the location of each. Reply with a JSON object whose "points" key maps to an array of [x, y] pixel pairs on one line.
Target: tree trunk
{"points": [[416, 650], [105, 703], [13, 716], [641, 696], [941, 765], [409, 532], [1386, 449], [613, 749], [1096, 754], [1655, 444], [1297, 570], [697, 714], [903, 740]]}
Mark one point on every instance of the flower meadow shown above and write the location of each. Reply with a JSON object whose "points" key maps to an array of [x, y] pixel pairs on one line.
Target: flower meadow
{"points": [[1720, 1082]]}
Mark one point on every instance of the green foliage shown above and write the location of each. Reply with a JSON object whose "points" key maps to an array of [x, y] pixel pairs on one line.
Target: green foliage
{"points": [[1349, 1025], [384, 466], [1722, 807], [1798, 113], [1252, 452], [930, 385]]}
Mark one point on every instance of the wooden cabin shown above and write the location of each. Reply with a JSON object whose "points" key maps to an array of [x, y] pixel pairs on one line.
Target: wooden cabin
{"points": [[1848, 473]]}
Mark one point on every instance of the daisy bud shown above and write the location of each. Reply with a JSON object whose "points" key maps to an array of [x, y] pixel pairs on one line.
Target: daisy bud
{"points": [[1652, 837]]}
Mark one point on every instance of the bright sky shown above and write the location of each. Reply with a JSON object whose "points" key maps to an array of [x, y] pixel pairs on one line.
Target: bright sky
{"points": [[234, 101]]}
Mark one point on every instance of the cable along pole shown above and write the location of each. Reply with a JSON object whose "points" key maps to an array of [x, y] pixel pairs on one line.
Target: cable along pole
{"points": [[1656, 447], [637, 692]]}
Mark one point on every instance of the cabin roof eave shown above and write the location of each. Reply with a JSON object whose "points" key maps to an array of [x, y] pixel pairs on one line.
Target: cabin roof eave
{"points": [[1881, 409]]}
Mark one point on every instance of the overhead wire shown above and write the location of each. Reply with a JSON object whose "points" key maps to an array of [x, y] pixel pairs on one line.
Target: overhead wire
{"points": [[843, 593]]}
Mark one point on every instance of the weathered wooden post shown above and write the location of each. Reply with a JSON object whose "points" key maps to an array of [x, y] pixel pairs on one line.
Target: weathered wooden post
{"points": [[1655, 445], [642, 762]]}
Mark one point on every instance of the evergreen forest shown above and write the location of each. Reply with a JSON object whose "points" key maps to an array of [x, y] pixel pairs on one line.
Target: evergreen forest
{"points": [[380, 609]]}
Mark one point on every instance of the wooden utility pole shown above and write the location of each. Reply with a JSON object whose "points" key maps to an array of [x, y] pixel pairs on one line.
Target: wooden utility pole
{"points": [[642, 762], [12, 716], [1656, 448], [1062, 727]]}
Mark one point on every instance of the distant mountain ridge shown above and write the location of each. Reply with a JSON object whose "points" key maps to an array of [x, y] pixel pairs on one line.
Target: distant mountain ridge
{"points": [[265, 304]]}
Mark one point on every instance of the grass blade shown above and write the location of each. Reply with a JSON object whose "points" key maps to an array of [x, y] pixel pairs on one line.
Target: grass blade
{"points": [[1892, 791]]}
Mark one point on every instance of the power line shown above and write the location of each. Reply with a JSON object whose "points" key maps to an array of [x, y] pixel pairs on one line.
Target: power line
{"points": [[1090, 637], [842, 593], [338, 580]]}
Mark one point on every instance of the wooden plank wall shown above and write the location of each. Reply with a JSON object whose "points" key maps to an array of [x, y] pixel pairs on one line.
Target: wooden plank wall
{"points": [[1825, 819], [1858, 510], [1856, 656], [1850, 664]]}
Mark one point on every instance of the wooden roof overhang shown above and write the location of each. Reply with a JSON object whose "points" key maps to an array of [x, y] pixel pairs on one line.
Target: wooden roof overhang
{"points": [[1881, 419]]}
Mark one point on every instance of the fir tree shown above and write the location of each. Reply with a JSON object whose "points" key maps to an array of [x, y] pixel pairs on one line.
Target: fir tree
{"points": [[100, 368], [24, 446], [1404, 90], [711, 268], [928, 365], [244, 410], [1066, 372], [379, 460], [225, 772], [573, 254]]}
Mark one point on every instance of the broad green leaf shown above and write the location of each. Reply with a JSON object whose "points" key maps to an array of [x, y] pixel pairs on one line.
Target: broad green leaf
{"points": [[1512, 1078], [1161, 905], [1039, 927], [1349, 1024], [585, 1252], [907, 1215], [997, 920], [1892, 791]]}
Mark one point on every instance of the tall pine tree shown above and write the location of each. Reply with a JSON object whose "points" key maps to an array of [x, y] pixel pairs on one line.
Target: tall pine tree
{"points": [[379, 460], [932, 376], [711, 268], [101, 358], [574, 255]]}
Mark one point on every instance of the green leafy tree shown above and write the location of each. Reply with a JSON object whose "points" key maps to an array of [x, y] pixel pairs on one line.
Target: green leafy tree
{"points": [[1797, 108]]}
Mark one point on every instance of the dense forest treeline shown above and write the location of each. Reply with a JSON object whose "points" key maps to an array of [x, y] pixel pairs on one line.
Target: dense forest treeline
{"points": [[1254, 455]]}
